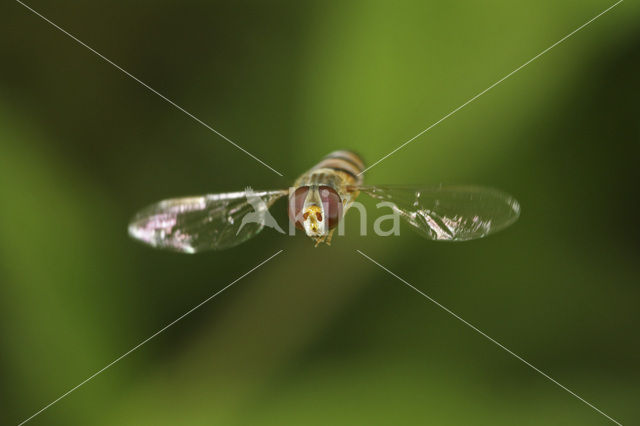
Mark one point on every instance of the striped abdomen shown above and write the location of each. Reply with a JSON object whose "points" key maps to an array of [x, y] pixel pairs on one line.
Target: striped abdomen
{"points": [[347, 163]]}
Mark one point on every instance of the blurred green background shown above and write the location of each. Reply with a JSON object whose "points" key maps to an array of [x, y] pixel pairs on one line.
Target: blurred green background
{"points": [[319, 335]]}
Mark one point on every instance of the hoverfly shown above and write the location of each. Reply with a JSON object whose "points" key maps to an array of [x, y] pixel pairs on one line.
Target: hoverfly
{"points": [[318, 201]]}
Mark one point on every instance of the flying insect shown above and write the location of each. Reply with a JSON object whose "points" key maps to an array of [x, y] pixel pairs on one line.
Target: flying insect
{"points": [[318, 202]]}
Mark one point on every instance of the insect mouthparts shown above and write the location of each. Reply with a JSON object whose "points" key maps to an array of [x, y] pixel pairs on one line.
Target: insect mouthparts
{"points": [[313, 220]]}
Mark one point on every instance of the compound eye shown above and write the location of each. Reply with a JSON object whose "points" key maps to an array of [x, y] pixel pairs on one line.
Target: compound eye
{"points": [[296, 205], [332, 206]]}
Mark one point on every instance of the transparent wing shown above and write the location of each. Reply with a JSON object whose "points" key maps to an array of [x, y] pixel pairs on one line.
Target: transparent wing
{"points": [[207, 222], [449, 213]]}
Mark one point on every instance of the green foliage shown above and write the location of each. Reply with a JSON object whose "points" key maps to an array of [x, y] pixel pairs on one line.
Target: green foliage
{"points": [[319, 336]]}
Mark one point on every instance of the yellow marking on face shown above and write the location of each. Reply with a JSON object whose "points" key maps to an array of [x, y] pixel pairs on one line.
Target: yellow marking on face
{"points": [[313, 217]]}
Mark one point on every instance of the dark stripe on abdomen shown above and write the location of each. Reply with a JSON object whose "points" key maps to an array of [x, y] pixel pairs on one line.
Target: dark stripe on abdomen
{"points": [[339, 169], [339, 164], [349, 156]]}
